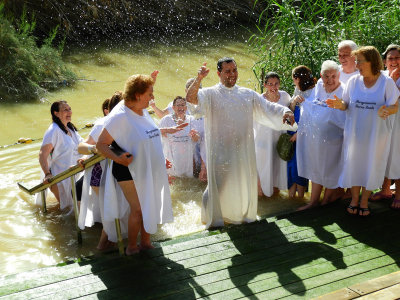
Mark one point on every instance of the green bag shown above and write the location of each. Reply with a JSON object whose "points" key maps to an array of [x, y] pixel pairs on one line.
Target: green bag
{"points": [[285, 147]]}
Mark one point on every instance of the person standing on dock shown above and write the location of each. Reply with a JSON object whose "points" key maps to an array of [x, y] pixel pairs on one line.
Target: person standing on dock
{"points": [[229, 111]]}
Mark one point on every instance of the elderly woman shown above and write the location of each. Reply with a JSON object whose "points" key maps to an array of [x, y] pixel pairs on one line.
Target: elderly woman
{"points": [[59, 151], [320, 157], [391, 58], [369, 98], [140, 169], [90, 208], [179, 147], [271, 169], [303, 95]]}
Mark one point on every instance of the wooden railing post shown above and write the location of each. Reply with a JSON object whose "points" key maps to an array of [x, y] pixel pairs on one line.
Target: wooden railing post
{"points": [[119, 237], [76, 209], [43, 196]]}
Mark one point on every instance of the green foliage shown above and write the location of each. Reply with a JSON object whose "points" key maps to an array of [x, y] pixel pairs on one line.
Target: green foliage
{"points": [[27, 70], [292, 32]]}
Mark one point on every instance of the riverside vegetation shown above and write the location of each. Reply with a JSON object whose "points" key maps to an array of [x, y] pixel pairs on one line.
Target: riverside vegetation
{"points": [[26, 69], [307, 32]]}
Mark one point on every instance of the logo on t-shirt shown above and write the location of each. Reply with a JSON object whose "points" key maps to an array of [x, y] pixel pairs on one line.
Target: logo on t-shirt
{"points": [[153, 133], [365, 105]]}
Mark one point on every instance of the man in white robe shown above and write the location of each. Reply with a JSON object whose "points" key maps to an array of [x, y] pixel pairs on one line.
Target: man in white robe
{"points": [[229, 111]]}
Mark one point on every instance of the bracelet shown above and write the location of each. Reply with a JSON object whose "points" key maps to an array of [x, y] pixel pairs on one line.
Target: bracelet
{"points": [[48, 173]]}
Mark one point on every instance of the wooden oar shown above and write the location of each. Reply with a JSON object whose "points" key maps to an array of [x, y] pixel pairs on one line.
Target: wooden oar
{"points": [[63, 175]]}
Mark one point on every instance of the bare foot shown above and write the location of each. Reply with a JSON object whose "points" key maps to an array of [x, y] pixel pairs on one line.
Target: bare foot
{"points": [[308, 206], [132, 251], [105, 246]]}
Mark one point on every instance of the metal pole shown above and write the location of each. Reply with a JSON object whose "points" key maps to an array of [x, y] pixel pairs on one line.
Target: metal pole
{"points": [[78, 230], [119, 237], [43, 195]]}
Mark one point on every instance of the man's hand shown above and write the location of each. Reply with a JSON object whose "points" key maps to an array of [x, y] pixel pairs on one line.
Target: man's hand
{"points": [[203, 71]]}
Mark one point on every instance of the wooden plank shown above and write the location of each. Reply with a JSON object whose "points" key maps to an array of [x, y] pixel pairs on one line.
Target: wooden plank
{"points": [[63, 175], [343, 294], [392, 292], [376, 284]]}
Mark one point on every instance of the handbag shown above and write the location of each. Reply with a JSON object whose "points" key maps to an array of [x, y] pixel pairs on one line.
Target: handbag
{"points": [[285, 147]]}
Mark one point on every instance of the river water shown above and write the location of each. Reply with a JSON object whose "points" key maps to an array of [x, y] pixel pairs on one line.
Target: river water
{"points": [[31, 239]]}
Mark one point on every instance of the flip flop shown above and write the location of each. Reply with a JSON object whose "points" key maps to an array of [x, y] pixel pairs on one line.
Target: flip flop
{"points": [[380, 196], [362, 210], [354, 210], [395, 202]]}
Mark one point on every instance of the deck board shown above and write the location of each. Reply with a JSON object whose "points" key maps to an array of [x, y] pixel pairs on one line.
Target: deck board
{"points": [[299, 255]]}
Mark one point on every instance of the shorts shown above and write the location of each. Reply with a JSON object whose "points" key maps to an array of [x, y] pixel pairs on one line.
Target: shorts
{"points": [[120, 172]]}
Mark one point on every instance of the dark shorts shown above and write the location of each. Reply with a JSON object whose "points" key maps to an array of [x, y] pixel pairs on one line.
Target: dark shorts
{"points": [[120, 172], [96, 175]]}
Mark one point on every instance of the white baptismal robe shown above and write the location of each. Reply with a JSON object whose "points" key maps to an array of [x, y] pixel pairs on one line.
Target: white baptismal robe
{"points": [[65, 155], [367, 137], [319, 148], [393, 166], [140, 136], [271, 169], [231, 194], [90, 210], [179, 147]]}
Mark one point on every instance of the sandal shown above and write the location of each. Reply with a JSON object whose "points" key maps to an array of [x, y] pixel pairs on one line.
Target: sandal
{"points": [[354, 210], [362, 210], [380, 196], [395, 202]]}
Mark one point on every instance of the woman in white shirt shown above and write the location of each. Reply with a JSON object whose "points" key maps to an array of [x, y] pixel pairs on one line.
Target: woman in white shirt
{"points": [[271, 169], [140, 169], [370, 99], [59, 151]]}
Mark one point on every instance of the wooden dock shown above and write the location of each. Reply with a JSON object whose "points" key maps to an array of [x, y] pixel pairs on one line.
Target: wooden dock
{"points": [[318, 253]]}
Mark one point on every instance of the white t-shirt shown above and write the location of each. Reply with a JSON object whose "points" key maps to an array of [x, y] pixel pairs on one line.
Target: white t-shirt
{"points": [[140, 136], [367, 136], [65, 155], [319, 148], [271, 169], [179, 147]]}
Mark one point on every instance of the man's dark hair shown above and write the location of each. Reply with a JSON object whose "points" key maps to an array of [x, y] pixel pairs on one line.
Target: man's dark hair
{"points": [[224, 60]]}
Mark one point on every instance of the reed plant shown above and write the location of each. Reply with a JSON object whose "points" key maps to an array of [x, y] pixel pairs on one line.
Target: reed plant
{"points": [[292, 32]]}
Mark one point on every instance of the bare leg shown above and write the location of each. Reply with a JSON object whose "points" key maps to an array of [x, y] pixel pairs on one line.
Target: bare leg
{"points": [[260, 192], [135, 217], [54, 190], [364, 201], [384, 193], [396, 203], [355, 195], [330, 195], [347, 194], [292, 190], [316, 190], [276, 191], [300, 191], [145, 242]]}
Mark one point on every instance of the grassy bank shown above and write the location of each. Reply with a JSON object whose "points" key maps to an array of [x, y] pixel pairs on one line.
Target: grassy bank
{"points": [[292, 32], [27, 70]]}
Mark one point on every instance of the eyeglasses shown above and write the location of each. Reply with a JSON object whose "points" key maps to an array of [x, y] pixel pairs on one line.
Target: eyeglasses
{"points": [[360, 61]]}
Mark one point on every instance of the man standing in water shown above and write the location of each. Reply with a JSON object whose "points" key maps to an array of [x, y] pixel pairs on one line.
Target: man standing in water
{"points": [[229, 111]]}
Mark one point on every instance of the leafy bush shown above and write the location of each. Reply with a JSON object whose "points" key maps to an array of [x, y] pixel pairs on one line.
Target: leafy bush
{"points": [[292, 32], [26, 70]]}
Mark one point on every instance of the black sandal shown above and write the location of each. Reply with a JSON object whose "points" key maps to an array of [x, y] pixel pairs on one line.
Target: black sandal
{"points": [[354, 210], [362, 210]]}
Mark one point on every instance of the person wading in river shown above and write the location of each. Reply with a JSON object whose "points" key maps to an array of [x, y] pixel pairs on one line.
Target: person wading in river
{"points": [[229, 111]]}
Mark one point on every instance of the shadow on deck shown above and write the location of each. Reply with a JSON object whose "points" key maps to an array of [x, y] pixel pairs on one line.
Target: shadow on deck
{"points": [[299, 255]]}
